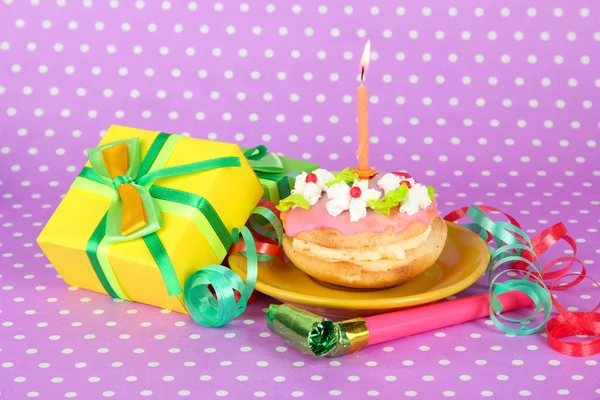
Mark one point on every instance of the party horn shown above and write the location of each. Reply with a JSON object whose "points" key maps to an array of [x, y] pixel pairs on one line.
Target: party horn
{"points": [[312, 334]]}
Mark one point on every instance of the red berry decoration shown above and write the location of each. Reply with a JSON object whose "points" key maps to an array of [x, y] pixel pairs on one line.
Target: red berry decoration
{"points": [[355, 192], [311, 178]]}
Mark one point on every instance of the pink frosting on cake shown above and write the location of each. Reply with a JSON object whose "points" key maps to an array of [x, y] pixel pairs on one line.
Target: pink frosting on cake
{"points": [[299, 220]]}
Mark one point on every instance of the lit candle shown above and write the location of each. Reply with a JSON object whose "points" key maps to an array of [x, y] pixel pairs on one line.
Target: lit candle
{"points": [[364, 171]]}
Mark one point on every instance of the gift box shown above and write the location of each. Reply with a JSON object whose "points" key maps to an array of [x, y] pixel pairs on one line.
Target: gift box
{"points": [[147, 210], [276, 173]]}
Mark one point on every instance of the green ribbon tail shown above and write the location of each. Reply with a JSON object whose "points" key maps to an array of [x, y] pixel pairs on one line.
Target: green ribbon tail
{"points": [[163, 261], [91, 250]]}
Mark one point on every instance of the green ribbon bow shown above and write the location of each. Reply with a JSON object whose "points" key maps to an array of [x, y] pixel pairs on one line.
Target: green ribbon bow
{"points": [[262, 161], [270, 171], [105, 164]]}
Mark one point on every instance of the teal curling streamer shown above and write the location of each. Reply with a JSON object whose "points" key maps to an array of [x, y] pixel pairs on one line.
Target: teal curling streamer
{"points": [[511, 242], [209, 310], [276, 234]]}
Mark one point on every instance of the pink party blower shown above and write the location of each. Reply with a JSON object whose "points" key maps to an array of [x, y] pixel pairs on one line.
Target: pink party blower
{"points": [[312, 334]]}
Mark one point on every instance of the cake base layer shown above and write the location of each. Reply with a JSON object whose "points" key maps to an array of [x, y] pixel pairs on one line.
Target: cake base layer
{"points": [[371, 274]]}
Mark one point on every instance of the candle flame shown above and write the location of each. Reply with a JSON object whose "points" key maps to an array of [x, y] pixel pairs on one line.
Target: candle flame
{"points": [[364, 61]]}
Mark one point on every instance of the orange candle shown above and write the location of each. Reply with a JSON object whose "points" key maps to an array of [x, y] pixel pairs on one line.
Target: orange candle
{"points": [[362, 95]]}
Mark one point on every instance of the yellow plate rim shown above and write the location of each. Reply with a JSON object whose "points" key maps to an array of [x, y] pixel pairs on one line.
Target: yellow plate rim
{"points": [[382, 303]]}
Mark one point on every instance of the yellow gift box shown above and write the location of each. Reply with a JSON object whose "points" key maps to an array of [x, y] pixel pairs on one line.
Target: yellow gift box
{"points": [[188, 236]]}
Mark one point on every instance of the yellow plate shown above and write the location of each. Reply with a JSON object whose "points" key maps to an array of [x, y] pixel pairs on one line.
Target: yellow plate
{"points": [[464, 259]]}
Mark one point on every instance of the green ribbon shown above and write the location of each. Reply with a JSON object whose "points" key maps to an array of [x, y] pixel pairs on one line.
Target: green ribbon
{"points": [[199, 203], [269, 167], [163, 261], [511, 242], [91, 251], [219, 309], [143, 174]]}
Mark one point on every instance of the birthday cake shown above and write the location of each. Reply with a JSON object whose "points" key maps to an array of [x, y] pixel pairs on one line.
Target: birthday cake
{"points": [[361, 233]]}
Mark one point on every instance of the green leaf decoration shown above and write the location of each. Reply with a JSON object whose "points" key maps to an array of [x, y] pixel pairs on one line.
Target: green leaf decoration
{"points": [[431, 192], [291, 201], [392, 199], [397, 195], [346, 175], [379, 206]]}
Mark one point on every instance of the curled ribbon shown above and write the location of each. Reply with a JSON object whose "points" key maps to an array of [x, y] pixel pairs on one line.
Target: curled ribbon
{"points": [[222, 307], [514, 247]]}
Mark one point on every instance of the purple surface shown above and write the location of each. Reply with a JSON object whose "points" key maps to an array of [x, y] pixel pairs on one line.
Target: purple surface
{"points": [[496, 104]]}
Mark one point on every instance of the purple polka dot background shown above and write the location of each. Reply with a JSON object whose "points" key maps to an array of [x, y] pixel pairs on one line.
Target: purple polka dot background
{"points": [[491, 102]]}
